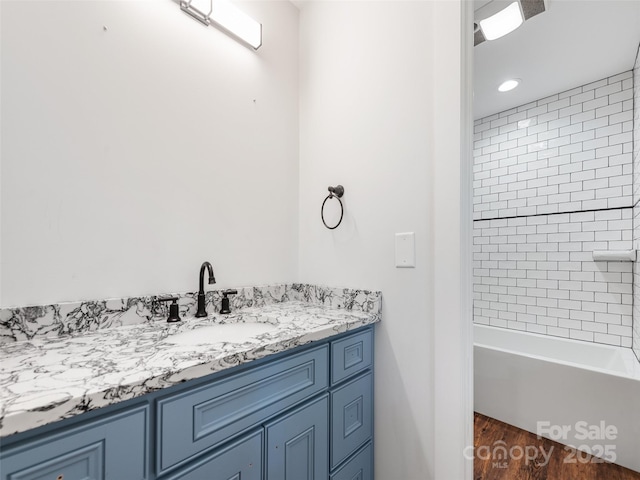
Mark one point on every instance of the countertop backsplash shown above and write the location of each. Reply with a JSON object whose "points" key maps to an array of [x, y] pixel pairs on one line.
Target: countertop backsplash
{"points": [[32, 322]]}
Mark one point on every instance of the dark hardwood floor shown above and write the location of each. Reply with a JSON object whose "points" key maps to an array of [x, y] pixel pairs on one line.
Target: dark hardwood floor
{"points": [[536, 459]]}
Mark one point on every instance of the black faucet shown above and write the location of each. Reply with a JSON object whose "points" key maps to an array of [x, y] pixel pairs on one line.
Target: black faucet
{"points": [[201, 309]]}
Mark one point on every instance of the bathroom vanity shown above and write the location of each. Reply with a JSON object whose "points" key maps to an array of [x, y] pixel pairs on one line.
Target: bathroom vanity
{"points": [[295, 402]]}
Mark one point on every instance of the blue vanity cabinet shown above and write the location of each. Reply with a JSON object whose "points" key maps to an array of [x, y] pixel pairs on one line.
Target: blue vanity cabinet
{"points": [[112, 448], [300, 415]]}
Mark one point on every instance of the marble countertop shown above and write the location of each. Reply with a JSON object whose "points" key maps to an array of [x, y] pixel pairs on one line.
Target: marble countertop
{"points": [[47, 379]]}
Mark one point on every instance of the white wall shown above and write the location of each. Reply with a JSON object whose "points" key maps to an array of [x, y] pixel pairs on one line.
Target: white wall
{"points": [[132, 154], [369, 121]]}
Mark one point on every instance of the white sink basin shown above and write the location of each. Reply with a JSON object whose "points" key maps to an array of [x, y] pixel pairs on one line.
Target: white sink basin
{"points": [[226, 332]]}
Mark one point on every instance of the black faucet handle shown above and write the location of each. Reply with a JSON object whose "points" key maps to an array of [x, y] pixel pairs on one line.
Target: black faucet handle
{"points": [[225, 308], [174, 312], [167, 299]]}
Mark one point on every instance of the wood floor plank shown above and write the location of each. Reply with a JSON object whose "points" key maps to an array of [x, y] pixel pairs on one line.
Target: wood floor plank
{"points": [[525, 459]]}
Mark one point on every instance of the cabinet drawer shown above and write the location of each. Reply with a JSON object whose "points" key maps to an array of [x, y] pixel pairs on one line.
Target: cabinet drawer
{"points": [[198, 419], [112, 448], [360, 467], [297, 444], [241, 460], [351, 417], [351, 355]]}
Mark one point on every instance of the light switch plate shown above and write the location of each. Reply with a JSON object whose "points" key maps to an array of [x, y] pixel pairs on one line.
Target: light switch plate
{"points": [[406, 250]]}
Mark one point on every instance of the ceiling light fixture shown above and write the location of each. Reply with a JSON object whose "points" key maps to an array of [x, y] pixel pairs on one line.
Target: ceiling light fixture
{"points": [[509, 85], [503, 22], [228, 17]]}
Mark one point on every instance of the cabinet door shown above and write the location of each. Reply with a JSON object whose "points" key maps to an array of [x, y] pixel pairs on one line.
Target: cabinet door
{"points": [[241, 460], [112, 448], [352, 417], [351, 355], [297, 444], [359, 467]]}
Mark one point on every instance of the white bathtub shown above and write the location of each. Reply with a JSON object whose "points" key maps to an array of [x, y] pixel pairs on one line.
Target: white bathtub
{"points": [[524, 378]]}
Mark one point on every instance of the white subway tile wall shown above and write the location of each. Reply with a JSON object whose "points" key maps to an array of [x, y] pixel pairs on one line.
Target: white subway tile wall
{"points": [[636, 208], [553, 181], [568, 152], [537, 274]]}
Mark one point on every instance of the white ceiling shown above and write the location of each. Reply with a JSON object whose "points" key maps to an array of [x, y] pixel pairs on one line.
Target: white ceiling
{"points": [[573, 43]]}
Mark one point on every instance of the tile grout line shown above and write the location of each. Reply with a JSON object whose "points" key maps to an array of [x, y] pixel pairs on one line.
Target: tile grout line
{"points": [[554, 213]]}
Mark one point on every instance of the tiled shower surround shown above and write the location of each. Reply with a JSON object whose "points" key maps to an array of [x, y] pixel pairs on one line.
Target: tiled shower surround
{"points": [[537, 274], [564, 153], [636, 206], [553, 182]]}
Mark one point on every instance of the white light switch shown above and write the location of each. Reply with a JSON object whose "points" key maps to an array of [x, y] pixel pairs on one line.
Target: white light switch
{"points": [[406, 250]]}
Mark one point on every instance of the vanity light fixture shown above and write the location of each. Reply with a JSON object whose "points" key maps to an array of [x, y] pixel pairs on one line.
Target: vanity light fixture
{"points": [[503, 22], [226, 16], [509, 85]]}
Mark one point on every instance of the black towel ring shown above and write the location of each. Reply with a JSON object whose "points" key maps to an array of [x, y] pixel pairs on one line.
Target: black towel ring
{"points": [[334, 192]]}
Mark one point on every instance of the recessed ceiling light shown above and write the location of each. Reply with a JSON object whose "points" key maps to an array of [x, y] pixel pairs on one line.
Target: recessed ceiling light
{"points": [[509, 85], [503, 22]]}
